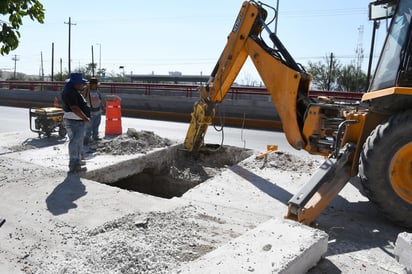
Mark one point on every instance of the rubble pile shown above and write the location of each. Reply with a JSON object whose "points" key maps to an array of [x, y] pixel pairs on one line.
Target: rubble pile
{"points": [[283, 161], [132, 142], [156, 242]]}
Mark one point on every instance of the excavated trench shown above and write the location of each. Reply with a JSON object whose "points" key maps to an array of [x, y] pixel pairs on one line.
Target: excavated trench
{"points": [[171, 171]]}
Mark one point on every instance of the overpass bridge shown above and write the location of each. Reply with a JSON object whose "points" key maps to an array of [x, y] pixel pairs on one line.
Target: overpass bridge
{"points": [[244, 106]]}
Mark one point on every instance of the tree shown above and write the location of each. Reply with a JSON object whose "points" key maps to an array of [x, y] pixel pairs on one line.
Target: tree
{"points": [[325, 74], [353, 79], [16, 10], [87, 71], [19, 76]]}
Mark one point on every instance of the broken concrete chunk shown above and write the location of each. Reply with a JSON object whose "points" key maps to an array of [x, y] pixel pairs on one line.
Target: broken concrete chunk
{"points": [[403, 250], [261, 250]]}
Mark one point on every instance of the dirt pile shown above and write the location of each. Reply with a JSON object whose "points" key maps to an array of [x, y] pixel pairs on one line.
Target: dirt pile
{"points": [[132, 142], [283, 161]]}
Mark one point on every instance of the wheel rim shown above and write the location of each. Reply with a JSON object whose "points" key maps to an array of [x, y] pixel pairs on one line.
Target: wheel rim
{"points": [[401, 172]]}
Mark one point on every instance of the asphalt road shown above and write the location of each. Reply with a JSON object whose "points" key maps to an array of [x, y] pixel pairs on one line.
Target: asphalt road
{"points": [[17, 119]]}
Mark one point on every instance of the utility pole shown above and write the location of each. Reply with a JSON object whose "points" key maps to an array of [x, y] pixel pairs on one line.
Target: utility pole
{"points": [[277, 16], [15, 59], [70, 28], [92, 62], [41, 67], [61, 71], [52, 63], [330, 71]]}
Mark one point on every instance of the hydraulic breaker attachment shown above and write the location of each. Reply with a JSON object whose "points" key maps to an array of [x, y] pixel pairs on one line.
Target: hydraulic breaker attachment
{"points": [[202, 116], [322, 188]]}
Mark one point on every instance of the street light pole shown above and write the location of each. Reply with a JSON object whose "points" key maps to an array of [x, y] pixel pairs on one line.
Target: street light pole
{"points": [[122, 68], [100, 56], [277, 16], [92, 62]]}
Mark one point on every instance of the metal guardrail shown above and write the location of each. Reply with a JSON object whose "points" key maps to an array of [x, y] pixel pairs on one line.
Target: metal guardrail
{"points": [[154, 91], [340, 95], [236, 92]]}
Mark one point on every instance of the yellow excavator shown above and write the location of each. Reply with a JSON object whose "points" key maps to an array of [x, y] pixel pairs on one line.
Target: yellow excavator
{"points": [[372, 139]]}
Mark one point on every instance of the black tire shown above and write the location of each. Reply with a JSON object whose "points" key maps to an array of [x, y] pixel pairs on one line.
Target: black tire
{"points": [[377, 168], [62, 132]]}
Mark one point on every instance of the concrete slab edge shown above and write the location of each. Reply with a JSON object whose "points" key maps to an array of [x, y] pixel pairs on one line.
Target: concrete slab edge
{"points": [[276, 246], [113, 172], [403, 250]]}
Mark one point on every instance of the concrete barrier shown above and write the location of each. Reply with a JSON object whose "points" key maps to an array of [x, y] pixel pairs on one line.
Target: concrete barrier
{"points": [[233, 112], [276, 246]]}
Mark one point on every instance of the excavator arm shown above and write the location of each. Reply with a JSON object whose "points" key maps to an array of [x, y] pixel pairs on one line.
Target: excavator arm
{"points": [[321, 128], [283, 77]]}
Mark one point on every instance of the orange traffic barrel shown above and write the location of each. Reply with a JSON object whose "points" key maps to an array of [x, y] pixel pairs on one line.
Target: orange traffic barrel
{"points": [[113, 115]]}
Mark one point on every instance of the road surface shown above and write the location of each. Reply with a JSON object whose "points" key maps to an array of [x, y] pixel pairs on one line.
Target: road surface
{"points": [[17, 119]]}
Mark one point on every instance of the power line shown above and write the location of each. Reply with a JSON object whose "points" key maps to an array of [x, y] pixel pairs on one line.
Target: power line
{"points": [[326, 12]]}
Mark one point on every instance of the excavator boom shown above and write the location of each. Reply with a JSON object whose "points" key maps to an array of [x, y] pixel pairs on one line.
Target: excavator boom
{"points": [[280, 73]]}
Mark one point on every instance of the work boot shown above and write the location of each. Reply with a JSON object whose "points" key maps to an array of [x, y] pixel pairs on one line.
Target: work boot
{"points": [[86, 140], [77, 168]]}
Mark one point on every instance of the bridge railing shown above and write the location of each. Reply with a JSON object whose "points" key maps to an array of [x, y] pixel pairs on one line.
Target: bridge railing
{"points": [[153, 89]]}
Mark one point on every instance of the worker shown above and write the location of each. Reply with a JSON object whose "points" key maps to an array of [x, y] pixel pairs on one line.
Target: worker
{"points": [[94, 101], [75, 119]]}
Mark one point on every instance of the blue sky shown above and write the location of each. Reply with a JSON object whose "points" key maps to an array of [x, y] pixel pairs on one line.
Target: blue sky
{"points": [[188, 36]]}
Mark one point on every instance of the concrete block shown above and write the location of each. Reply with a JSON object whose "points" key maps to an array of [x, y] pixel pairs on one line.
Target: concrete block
{"points": [[403, 250], [276, 246]]}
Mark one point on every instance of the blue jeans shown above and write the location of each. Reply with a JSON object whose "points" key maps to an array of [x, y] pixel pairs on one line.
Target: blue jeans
{"points": [[75, 131], [93, 130]]}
